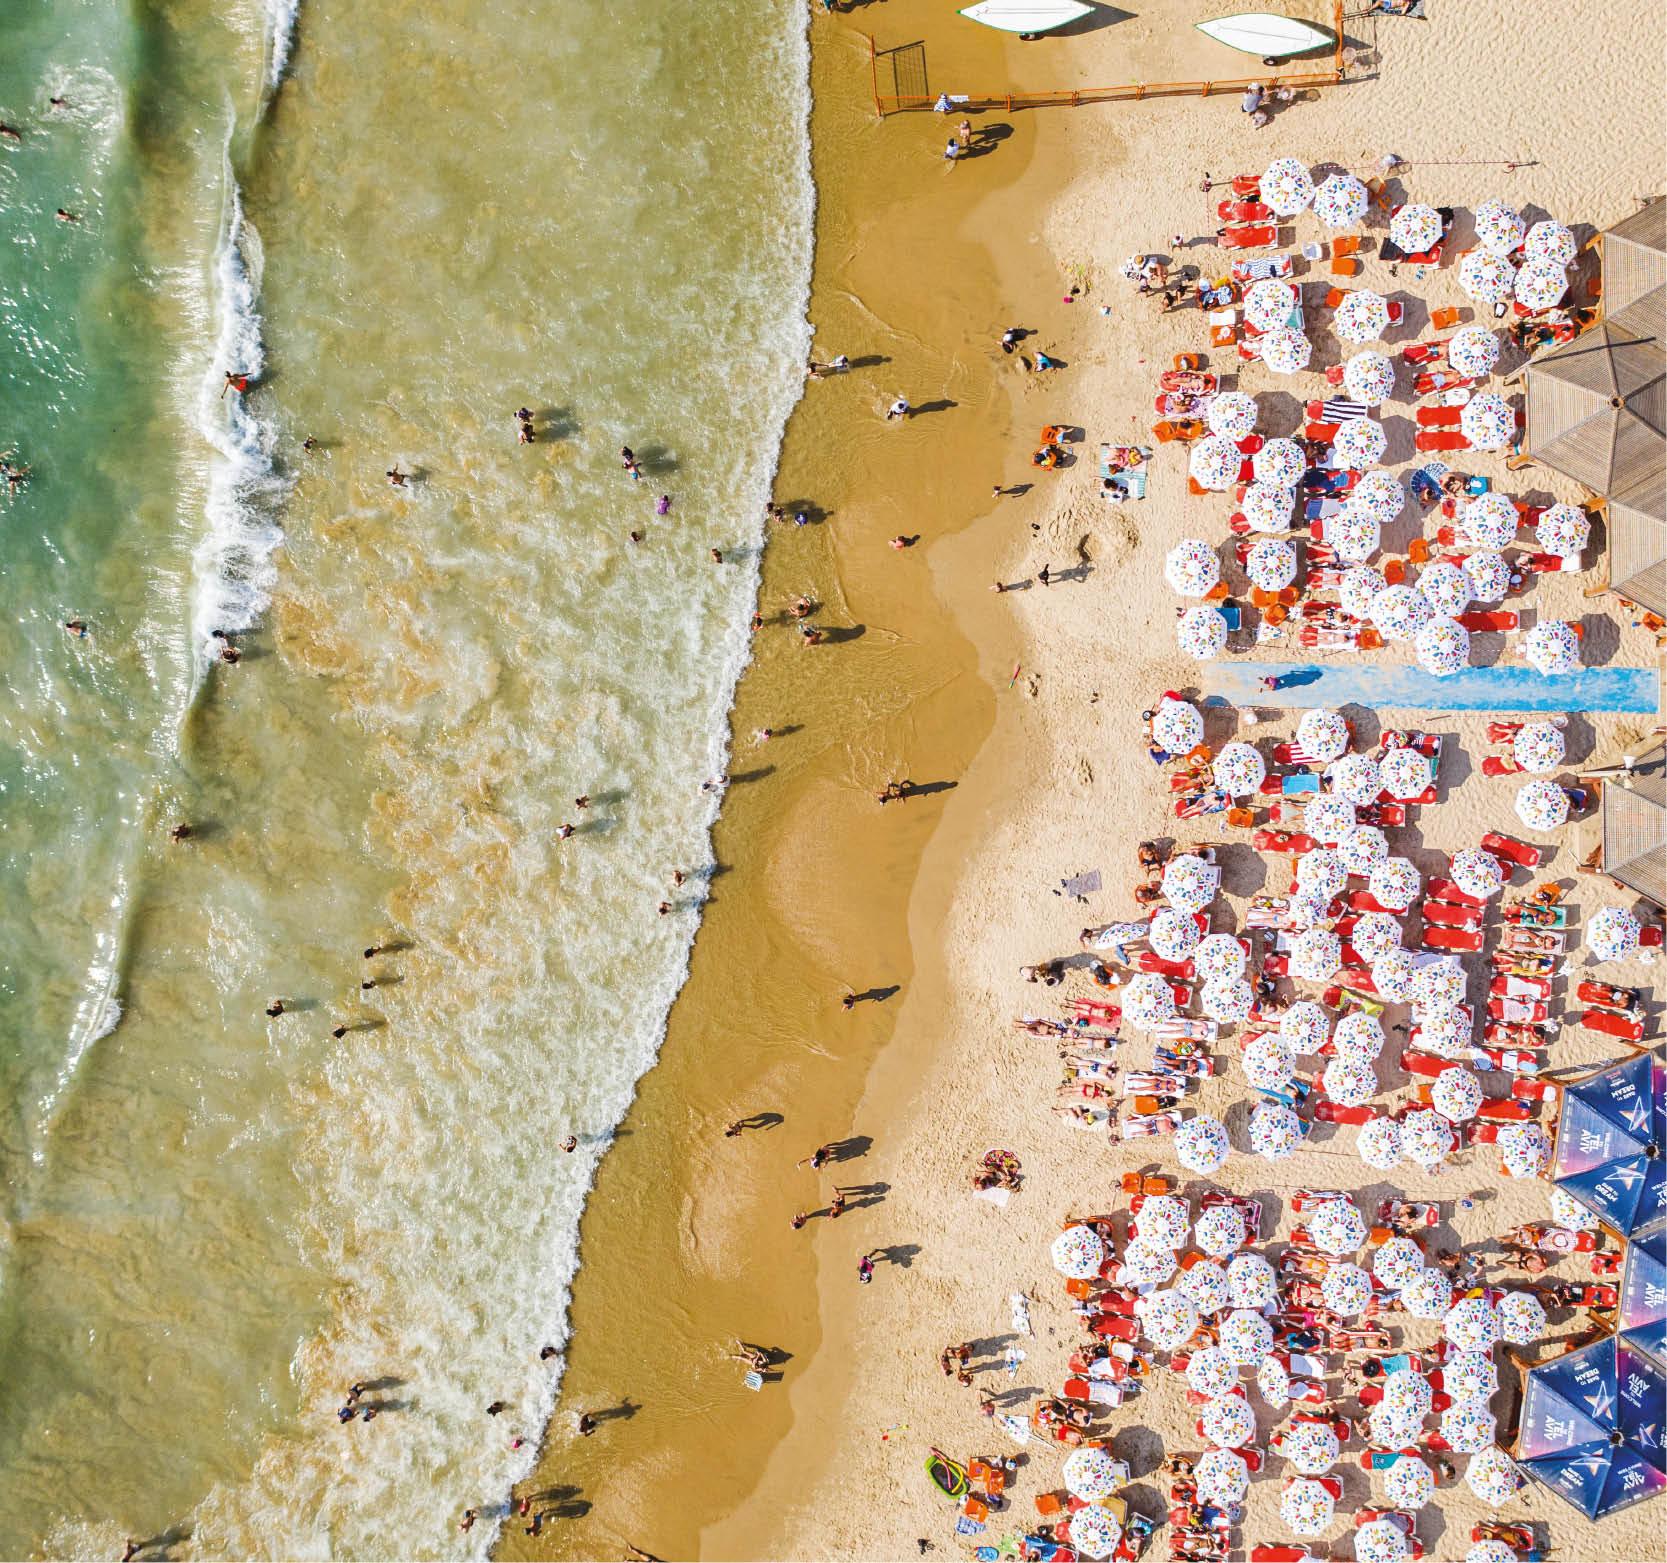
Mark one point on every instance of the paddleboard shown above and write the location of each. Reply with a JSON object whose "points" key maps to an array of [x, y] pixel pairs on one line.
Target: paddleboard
{"points": [[1265, 34], [1026, 16]]}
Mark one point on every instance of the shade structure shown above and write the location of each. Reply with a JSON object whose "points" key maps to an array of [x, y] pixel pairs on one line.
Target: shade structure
{"points": [[1493, 1477], [1447, 1029], [1542, 805], [1473, 350], [1358, 1035], [1472, 1324], [1349, 1082], [1438, 982], [1232, 414], [1316, 955], [1268, 507], [1591, 1427], [1285, 351], [1328, 818], [1306, 1507], [1468, 1426], [1173, 935], [1446, 587], [1522, 1318], [1166, 1219], [1392, 971], [1287, 187], [1229, 1422], [1359, 443], [1498, 228], [1477, 872], [1201, 633], [1189, 883], [1192, 567], [1538, 747], [1275, 1131], [1379, 1144], [1323, 734], [1609, 1153], [1271, 564], [1524, 1150], [1408, 1484], [1563, 530], [1177, 727], [1346, 1288], [1369, 378], [1488, 421], [1567, 1211], [1268, 304], [1340, 201], [1357, 777], [1308, 909], [1400, 612], [1360, 589], [1201, 1144], [1393, 883], [1428, 1295], [1362, 316], [1273, 1381], [1635, 256], [1280, 463], [1539, 286], [1642, 1318], [1392, 1425], [1253, 1282], [1212, 1372], [1426, 1137], [1469, 1375], [1169, 1318], [1612, 934], [1206, 1285], [1381, 1541], [1376, 932], [1407, 773], [1380, 495], [1246, 1336], [1091, 1473], [1222, 1476], [1488, 521], [1456, 1095], [1486, 277], [1078, 1253], [1095, 1532], [1227, 999], [1219, 1230], [1489, 1551], [1397, 1261], [1443, 647], [1635, 830], [1321, 872], [1355, 534], [1549, 243], [1311, 1447], [1415, 228], [1268, 1064], [1552, 647], [1362, 849], [1337, 1228], [1214, 462], [1219, 955], [1147, 1001], [1146, 1263], [1490, 576], [1303, 1026]]}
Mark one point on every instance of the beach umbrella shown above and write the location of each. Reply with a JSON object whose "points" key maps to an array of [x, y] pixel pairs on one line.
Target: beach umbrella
{"points": [[1524, 1149], [1227, 999], [1405, 1388], [1268, 304], [1469, 1375], [1191, 567], [1323, 734], [1354, 534], [1390, 1425], [1542, 805], [1273, 1380], [1493, 1476], [1285, 351], [1232, 414], [1146, 1263], [1359, 443], [1287, 187], [1337, 1228], [1472, 1324], [1303, 1026], [1358, 778], [1189, 883], [1539, 286], [1446, 1029], [1382, 1541], [1321, 872], [1307, 909], [1490, 1552], [1363, 848], [1177, 727], [1498, 229], [1219, 1231], [1246, 1336], [1079, 1253], [1268, 1064], [1363, 316], [1397, 1261], [1095, 1532], [1487, 278], [1340, 201], [1206, 1286], [1522, 1319], [1214, 462], [1428, 1295], [1379, 494], [1477, 873], [1473, 351], [1488, 421], [1279, 462], [1275, 1131], [1219, 955], [1328, 818], [1311, 1447], [1173, 935], [1489, 521], [1612, 934], [1427, 1138], [1375, 932], [1201, 633], [1468, 1426], [1268, 507], [1490, 576], [1201, 1144], [1271, 564], [1549, 242], [1210, 1371], [1306, 1507], [1166, 1219], [1379, 1144], [1346, 1288], [1552, 647], [1360, 588], [1446, 587], [1169, 1317], [1439, 982], [1147, 1001], [1316, 955], [1369, 378], [1253, 1283], [1392, 971], [1443, 647], [1567, 1211], [1393, 883], [1407, 773], [1229, 1422], [1401, 611], [1563, 530], [1091, 1473], [1359, 1035], [1349, 1082], [1223, 1477], [1456, 1094], [1415, 228]]}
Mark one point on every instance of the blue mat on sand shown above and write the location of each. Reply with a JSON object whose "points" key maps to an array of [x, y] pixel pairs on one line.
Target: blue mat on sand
{"points": [[1399, 688]]}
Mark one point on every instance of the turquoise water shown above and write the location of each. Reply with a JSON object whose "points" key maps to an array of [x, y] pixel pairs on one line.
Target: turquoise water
{"points": [[404, 225]]}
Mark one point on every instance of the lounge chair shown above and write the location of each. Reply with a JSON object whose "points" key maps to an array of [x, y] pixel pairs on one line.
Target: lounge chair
{"points": [[1250, 238]]}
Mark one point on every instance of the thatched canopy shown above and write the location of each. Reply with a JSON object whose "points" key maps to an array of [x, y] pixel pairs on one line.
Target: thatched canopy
{"points": [[1635, 831], [1638, 542], [1635, 257]]}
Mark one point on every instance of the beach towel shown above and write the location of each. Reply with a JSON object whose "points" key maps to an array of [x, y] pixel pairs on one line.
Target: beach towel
{"points": [[1343, 412], [1019, 1312], [1013, 1357], [1017, 1428], [1262, 266], [1081, 885], [754, 1381], [997, 1197]]}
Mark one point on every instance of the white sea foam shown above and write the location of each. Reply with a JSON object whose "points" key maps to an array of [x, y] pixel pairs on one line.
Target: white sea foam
{"points": [[281, 15]]}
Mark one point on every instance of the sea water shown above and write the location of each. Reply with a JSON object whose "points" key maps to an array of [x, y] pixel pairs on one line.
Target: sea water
{"points": [[404, 223]]}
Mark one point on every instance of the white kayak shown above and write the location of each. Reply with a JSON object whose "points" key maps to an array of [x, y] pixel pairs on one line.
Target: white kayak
{"points": [[1026, 16], [1265, 34]]}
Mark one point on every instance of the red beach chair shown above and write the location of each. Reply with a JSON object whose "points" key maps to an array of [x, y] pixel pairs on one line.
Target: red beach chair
{"points": [[1462, 941], [1609, 1023], [1253, 238], [1518, 852], [1496, 619], [1440, 439], [1438, 417]]}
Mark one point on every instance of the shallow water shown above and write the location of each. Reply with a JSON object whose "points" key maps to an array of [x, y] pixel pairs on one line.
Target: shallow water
{"points": [[217, 1221]]}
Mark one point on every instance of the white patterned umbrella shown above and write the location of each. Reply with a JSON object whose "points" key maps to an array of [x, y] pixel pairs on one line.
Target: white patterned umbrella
{"points": [[1446, 1029], [1190, 883], [1219, 1231], [1169, 1317], [1329, 817], [1285, 351], [1498, 229], [1307, 909], [1346, 1288], [1146, 1263], [1227, 999], [1489, 521], [1166, 1219], [1210, 1371], [1469, 1428], [1336, 1227], [1323, 734], [1267, 507], [1222, 1477], [1363, 848], [1229, 1422], [1381, 1541], [1379, 1144], [1493, 1476], [1488, 421], [1206, 1285], [1358, 778], [1078, 1253], [1177, 727], [1306, 1507], [1268, 1064], [1147, 1001], [1095, 1532], [1612, 934], [1316, 955], [1091, 1473], [1232, 414], [1522, 1319], [1567, 1211], [1354, 533], [1473, 351], [1361, 586], [1409, 1389], [1219, 955], [1456, 1094], [1490, 576], [1542, 805], [1439, 982], [1349, 1082], [1246, 1336], [1563, 530], [1173, 935], [1550, 242], [1271, 564], [1363, 316], [1401, 611], [1427, 1138], [1392, 971], [1359, 1035], [1214, 462], [1415, 228], [1380, 495], [1201, 1144], [1490, 1552], [1443, 647], [1275, 1131], [1428, 1295], [1268, 304], [1303, 1027], [1287, 187], [1524, 1149], [1393, 883], [1476, 872], [1340, 201], [1446, 586], [1469, 1375], [1397, 1262], [1191, 567], [1369, 378], [1279, 462], [1376, 932], [1391, 1425], [1552, 647], [1273, 1380], [1321, 872], [1472, 1324], [1487, 278], [1539, 286], [1254, 1285], [1311, 1447], [1359, 443], [1201, 633], [1407, 773]]}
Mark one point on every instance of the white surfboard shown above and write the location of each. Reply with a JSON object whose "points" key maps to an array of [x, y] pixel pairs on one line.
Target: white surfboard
{"points": [[1026, 16], [1266, 35]]}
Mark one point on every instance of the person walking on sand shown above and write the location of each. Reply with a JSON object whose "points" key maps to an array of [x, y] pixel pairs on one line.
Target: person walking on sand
{"points": [[836, 1205], [898, 409], [952, 151], [865, 1270], [817, 1159], [963, 133], [799, 1219]]}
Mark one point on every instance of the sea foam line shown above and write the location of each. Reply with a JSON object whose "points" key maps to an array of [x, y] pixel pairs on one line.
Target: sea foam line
{"points": [[281, 14]]}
